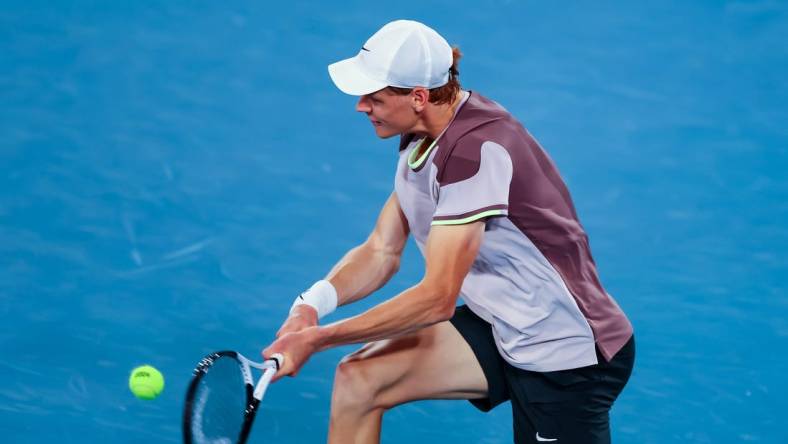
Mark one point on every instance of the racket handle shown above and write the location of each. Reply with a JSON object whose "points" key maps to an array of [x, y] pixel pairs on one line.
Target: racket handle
{"points": [[279, 359], [268, 373], [262, 384]]}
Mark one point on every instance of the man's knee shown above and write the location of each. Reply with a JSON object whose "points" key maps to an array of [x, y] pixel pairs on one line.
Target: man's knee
{"points": [[355, 386]]}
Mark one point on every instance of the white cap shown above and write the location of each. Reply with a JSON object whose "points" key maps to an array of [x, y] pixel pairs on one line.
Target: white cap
{"points": [[403, 53]]}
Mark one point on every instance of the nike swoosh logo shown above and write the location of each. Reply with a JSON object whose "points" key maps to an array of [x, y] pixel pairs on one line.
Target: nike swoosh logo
{"points": [[540, 439]]}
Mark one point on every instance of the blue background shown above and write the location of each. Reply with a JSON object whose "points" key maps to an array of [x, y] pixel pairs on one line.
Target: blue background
{"points": [[173, 173]]}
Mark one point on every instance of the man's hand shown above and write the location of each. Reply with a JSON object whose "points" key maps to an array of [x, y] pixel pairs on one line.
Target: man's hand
{"points": [[296, 347], [304, 316]]}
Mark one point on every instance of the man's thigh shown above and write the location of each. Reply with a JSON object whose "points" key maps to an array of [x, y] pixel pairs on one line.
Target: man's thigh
{"points": [[432, 363]]}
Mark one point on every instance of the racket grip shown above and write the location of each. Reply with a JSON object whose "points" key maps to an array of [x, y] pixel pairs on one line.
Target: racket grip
{"points": [[268, 373], [279, 359]]}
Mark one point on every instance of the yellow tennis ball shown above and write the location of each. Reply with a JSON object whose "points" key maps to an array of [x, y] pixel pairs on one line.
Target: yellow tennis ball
{"points": [[146, 382]]}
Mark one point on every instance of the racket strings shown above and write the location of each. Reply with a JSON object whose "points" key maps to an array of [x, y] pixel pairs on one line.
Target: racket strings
{"points": [[220, 403]]}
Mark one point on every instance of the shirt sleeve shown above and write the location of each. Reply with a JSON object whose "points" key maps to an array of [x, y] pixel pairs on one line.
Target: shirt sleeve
{"points": [[473, 183]]}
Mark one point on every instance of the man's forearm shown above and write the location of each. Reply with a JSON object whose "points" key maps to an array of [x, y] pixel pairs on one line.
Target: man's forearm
{"points": [[363, 270], [411, 310]]}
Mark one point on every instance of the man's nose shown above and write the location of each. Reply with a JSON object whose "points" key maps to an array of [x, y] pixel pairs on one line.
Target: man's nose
{"points": [[363, 105]]}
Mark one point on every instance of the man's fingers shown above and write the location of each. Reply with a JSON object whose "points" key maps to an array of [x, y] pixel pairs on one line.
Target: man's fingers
{"points": [[286, 367], [266, 353], [286, 370], [295, 347]]}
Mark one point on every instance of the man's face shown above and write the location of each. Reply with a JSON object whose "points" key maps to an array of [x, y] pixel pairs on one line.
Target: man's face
{"points": [[391, 114]]}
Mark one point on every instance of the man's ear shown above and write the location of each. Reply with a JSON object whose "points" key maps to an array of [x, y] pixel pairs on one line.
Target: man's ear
{"points": [[420, 97]]}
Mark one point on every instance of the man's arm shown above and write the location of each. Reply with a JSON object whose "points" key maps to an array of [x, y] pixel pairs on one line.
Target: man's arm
{"points": [[369, 266], [450, 252], [363, 269]]}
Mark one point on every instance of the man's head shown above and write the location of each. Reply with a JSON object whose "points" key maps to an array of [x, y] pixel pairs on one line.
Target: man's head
{"points": [[401, 73]]}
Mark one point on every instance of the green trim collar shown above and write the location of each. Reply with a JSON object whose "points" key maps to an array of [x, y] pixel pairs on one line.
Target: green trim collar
{"points": [[417, 163]]}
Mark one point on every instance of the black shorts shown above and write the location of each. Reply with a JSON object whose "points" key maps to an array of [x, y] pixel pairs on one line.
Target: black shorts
{"points": [[567, 406]]}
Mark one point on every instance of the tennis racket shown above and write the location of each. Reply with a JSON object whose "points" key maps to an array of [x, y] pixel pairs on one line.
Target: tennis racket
{"points": [[222, 398]]}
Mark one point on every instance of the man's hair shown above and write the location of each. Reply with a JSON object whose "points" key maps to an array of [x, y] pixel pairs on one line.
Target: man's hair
{"points": [[442, 94]]}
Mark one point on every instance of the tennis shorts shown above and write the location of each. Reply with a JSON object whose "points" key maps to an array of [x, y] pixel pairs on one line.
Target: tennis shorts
{"points": [[565, 407]]}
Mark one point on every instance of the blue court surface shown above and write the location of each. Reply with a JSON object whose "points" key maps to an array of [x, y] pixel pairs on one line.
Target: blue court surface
{"points": [[172, 174]]}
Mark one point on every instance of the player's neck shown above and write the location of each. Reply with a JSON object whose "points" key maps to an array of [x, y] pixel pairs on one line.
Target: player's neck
{"points": [[437, 117]]}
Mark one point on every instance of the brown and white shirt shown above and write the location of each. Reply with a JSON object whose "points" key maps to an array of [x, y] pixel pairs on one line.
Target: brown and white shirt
{"points": [[534, 279]]}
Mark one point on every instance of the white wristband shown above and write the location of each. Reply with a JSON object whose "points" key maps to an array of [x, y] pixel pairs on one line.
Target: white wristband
{"points": [[322, 296]]}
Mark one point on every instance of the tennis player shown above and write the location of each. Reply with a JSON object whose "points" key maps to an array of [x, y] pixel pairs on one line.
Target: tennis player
{"points": [[497, 227]]}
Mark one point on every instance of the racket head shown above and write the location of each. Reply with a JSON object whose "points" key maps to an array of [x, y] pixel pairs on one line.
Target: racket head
{"points": [[220, 406]]}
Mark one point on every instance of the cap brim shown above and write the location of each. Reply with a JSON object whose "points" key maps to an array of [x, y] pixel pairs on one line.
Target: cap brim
{"points": [[351, 79]]}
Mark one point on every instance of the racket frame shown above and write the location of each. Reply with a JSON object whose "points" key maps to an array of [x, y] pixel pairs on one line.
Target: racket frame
{"points": [[254, 392]]}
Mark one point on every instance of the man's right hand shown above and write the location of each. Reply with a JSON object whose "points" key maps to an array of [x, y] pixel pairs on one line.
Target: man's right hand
{"points": [[303, 316]]}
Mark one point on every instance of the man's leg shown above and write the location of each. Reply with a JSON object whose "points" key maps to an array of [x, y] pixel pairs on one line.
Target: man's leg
{"points": [[433, 363]]}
